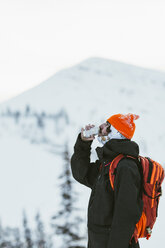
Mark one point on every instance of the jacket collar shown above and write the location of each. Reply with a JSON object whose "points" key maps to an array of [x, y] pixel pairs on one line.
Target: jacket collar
{"points": [[115, 147]]}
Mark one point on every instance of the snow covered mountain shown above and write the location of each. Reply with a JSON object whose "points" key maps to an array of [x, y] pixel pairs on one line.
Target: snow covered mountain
{"points": [[35, 125]]}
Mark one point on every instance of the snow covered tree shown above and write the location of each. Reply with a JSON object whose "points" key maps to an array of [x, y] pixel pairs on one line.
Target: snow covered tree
{"points": [[66, 222], [27, 232], [40, 121], [17, 243], [27, 110], [17, 115], [40, 235]]}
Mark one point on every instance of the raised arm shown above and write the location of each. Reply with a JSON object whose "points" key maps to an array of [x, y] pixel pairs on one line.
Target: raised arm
{"points": [[84, 171]]}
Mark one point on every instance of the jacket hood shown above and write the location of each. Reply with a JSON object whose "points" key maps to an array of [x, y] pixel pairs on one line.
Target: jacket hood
{"points": [[115, 147]]}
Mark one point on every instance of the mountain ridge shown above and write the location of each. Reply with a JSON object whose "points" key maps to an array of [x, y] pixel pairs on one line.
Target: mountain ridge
{"points": [[94, 63]]}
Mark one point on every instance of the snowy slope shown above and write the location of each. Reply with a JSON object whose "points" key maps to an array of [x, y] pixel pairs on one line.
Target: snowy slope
{"points": [[87, 93]]}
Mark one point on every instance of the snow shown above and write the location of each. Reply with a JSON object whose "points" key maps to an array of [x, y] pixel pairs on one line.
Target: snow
{"points": [[28, 180], [90, 92]]}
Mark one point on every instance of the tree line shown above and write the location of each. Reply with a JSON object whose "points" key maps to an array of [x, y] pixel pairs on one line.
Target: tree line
{"points": [[65, 224]]}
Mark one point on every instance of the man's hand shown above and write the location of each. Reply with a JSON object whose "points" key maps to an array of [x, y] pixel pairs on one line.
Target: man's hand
{"points": [[92, 137]]}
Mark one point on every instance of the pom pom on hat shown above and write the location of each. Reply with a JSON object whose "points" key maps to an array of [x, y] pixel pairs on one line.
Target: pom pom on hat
{"points": [[124, 124]]}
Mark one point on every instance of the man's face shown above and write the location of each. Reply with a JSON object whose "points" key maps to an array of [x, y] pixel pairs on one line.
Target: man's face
{"points": [[104, 129]]}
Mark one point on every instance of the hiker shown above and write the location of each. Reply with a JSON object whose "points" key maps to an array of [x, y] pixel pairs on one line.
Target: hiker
{"points": [[112, 213]]}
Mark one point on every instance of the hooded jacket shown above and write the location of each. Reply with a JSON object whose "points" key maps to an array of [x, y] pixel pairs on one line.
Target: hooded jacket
{"points": [[114, 213]]}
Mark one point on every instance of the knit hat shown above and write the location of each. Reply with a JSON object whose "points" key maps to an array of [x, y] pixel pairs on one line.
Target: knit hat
{"points": [[124, 124]]}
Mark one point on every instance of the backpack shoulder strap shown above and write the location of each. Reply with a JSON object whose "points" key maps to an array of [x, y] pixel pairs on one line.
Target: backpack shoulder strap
{"points": [[112, 168]]}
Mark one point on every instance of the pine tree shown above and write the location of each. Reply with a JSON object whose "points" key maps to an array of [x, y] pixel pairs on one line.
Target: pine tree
{"points": [[27, 110], [40, 241], [10, 238], [17, 243], [65, 222], [40, 121], [17, 115], [27, 232], [2, 242]]}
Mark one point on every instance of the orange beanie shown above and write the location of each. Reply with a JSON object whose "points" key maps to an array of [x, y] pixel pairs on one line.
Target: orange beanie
{"points": [[124, 124]]}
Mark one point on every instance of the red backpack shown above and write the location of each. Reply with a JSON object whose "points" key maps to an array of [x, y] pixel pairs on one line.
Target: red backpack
{"points": [[152, 174]]}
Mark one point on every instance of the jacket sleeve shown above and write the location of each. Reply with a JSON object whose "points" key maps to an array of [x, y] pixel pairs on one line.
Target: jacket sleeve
{"points": [[84, 171], [128, 204]]}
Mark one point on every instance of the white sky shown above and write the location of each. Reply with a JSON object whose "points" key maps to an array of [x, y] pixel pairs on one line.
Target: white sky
{"points": [[40, 37]]}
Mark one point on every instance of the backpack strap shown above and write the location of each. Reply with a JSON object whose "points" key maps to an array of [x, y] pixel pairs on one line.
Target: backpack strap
{"points": [[112, 169], [113, 166]]}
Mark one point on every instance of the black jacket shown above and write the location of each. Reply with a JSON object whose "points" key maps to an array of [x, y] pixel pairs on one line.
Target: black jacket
{"points": [[113, 212]]}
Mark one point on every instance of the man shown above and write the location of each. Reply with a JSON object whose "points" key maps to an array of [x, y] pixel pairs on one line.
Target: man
{"points": [[112, 214]]}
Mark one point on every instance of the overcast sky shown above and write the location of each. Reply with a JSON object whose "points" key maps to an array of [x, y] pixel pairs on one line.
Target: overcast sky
{"points": [[40, 37]]}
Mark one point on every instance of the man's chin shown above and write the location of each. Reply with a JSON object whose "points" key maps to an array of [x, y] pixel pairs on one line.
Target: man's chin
{"points": [[101, 136], [102, 139]]}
